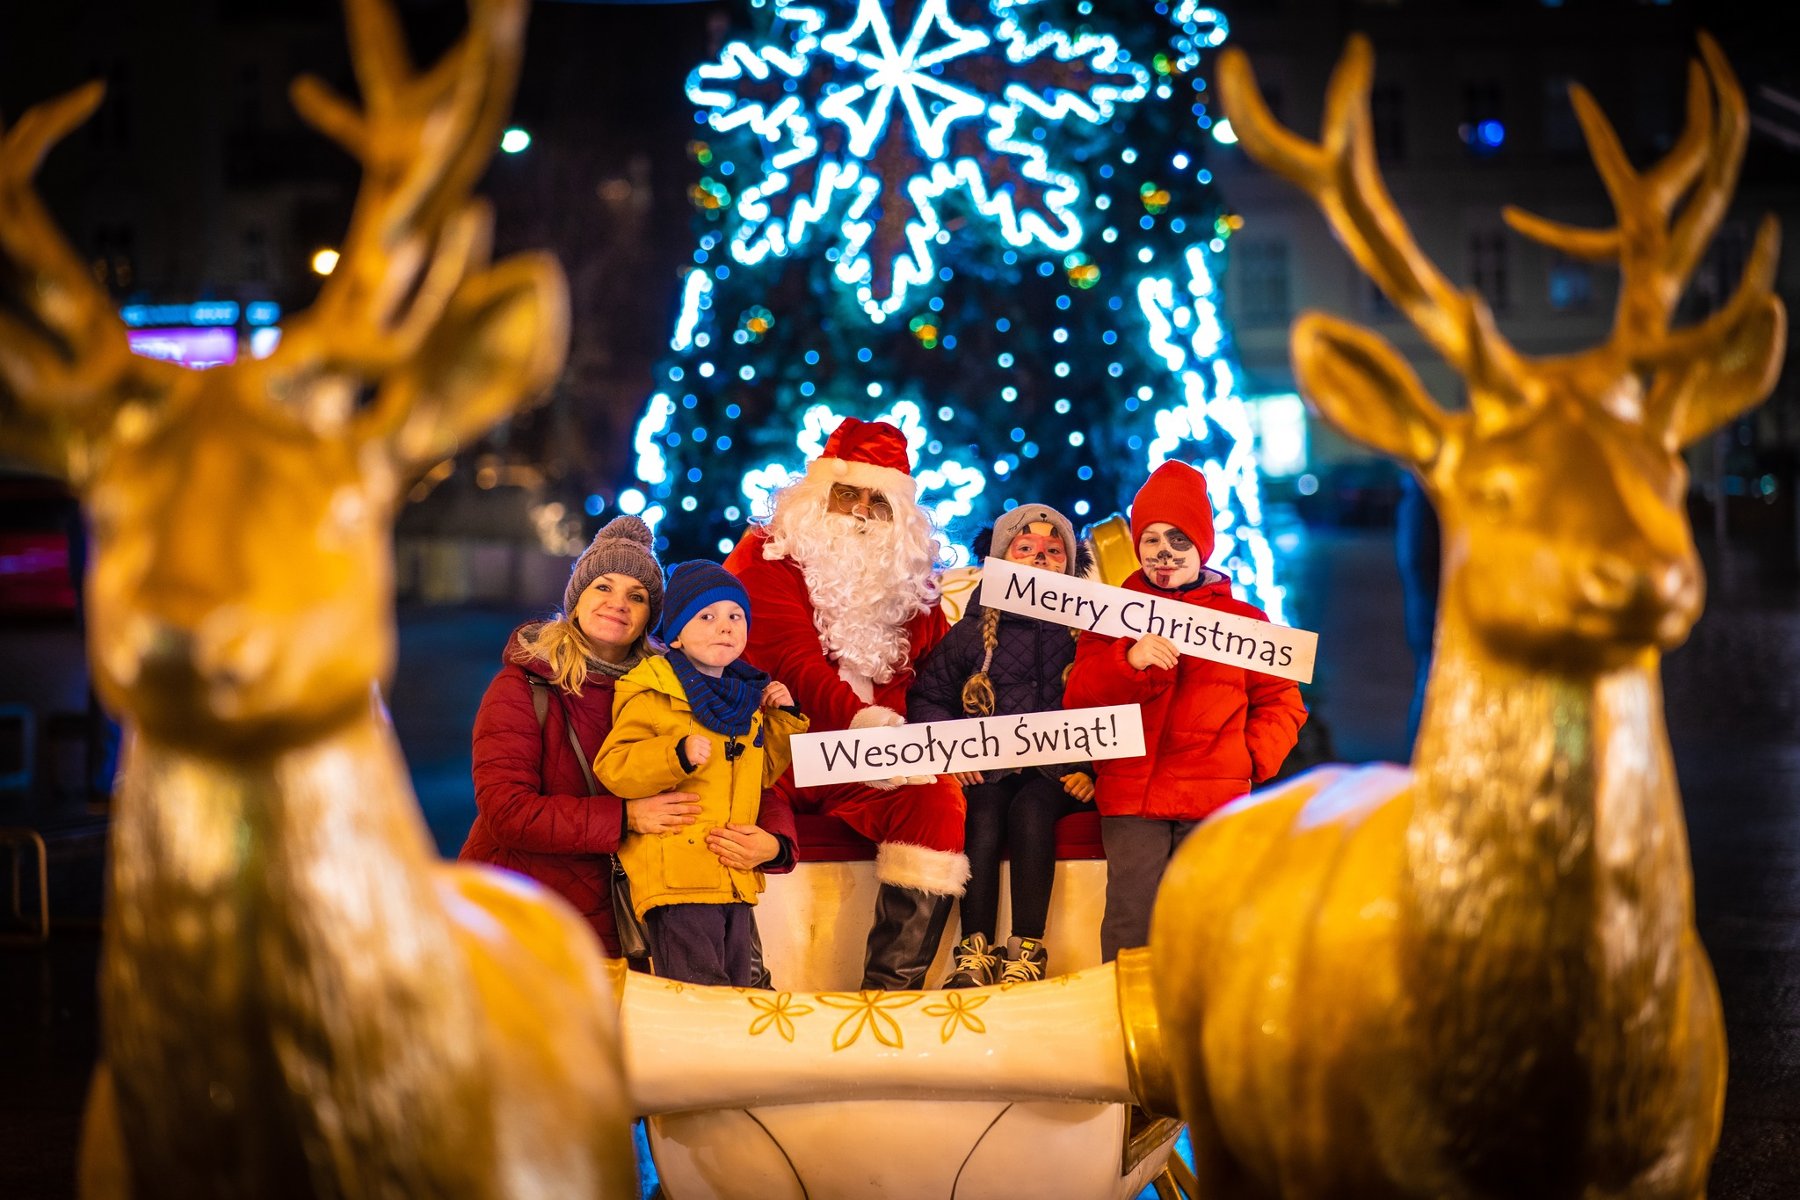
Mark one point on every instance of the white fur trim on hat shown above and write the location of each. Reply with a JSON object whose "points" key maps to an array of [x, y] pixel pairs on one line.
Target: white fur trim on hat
{"points": [[934, 872], [876, 717], [897, 484]]}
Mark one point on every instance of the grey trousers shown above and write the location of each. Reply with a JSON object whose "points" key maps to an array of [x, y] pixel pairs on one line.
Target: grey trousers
{"points": [[1138, 850], [705, 943]]}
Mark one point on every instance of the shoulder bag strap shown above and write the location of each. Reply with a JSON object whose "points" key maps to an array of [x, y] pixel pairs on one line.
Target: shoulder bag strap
{"points": [[540, 703]]}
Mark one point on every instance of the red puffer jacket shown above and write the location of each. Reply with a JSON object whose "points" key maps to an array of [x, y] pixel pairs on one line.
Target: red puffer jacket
{"points": [[534, 814], [1211, 730]]}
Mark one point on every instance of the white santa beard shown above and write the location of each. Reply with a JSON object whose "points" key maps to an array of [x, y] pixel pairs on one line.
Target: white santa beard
{"points": [[866, 580]]}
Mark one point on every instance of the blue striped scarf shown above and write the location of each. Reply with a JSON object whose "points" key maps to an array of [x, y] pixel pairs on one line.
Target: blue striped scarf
{"points": [[725, 704]]}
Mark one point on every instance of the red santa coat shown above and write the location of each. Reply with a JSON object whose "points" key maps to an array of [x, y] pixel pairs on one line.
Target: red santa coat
{"points": [[1211, 729], [919, 827]]}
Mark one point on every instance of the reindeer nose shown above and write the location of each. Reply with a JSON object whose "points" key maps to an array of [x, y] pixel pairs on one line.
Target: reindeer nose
{"points": [[222, 648], [1611, 581]]}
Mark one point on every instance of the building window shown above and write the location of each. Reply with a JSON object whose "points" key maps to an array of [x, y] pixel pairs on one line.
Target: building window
{"points": [[256, 256], [1262, 271], [248, 110], [112, 265], [1717, 278], [1380, 308], [1387, 114], [1571, 285], [1487, 268], [1483, 128], [1562, 132]]}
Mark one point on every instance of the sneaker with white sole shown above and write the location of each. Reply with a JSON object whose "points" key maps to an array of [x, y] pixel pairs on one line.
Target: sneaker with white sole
{"points": [[1026, 959], [975, 964]]}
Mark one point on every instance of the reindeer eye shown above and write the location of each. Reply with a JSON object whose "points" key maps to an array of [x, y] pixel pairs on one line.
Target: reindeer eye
{"points": [[1493, 495]]}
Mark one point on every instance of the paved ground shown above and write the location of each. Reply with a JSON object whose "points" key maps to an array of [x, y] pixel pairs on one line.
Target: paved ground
{"points": [[1734, 711]]}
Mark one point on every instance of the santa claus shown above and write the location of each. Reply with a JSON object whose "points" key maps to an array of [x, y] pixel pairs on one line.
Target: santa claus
{"points": [[843, 583]]}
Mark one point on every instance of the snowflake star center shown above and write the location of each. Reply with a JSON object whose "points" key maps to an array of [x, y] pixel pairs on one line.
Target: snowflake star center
{"points": [[864, 108]]}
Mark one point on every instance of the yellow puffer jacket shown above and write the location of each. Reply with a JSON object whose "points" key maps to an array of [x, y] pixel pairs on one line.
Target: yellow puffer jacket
{"points": [[651, 716]]}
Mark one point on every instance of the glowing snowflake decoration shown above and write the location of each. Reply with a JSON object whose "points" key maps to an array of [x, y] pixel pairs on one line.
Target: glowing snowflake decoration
{"points": [[873, 127]]}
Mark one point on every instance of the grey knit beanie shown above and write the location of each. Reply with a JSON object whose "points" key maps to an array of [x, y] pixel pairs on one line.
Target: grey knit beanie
{"points": [[622, 547], [1010, 524]]}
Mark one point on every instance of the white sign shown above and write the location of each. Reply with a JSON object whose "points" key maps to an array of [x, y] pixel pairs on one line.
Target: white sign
{"points": [[971, 744], [1101, 608]]}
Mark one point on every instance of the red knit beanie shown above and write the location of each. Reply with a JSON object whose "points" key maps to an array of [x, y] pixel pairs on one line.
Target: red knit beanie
{"points": [[1175, 493]]}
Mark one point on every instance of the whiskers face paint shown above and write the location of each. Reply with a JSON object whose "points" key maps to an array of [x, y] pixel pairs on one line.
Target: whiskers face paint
{"points": [[1170, 558]]}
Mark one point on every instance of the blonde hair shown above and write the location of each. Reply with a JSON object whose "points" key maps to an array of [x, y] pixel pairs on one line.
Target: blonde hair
{"points": [[561, 645], [978, 690]]}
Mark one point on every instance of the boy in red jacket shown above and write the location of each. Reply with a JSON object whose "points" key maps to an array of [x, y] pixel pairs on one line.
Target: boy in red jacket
{"points": [[1212, 730]]}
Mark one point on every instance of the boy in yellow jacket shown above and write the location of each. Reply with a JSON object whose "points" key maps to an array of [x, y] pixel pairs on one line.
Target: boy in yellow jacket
{"points": [[699, 720]]}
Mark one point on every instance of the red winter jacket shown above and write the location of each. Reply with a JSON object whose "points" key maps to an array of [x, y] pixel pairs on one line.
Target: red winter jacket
{"points": [[534, 814], [785, 642], [1211, 730]]}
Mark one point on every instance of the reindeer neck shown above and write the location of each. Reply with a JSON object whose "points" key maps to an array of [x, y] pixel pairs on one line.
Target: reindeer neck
{"points": [[1542, 787], [342, 803], [274, 929]]}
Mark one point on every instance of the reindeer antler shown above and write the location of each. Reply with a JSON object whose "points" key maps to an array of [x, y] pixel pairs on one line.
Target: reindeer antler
{"points": [[1655, 249], [65, 364], [423, 139], [1340, 173]]}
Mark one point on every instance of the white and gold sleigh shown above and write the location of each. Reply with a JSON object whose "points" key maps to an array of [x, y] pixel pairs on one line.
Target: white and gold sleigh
{"points": [[819, 1090]]}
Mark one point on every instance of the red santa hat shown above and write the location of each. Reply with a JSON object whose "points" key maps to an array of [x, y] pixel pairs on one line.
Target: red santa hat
{"points": [[869, 454], [1175, 494]]}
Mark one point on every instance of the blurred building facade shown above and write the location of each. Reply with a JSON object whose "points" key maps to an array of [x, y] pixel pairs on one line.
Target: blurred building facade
{"points": [[1470, 112], [196, 181]]}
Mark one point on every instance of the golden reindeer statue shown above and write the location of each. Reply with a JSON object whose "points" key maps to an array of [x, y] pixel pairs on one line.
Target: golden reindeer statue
{"points": [[1480, 977], [297, 999]]}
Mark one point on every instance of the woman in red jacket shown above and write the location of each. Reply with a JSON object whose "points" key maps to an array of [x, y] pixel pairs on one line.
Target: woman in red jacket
{"points": [[1211, 729], [535, 812]]}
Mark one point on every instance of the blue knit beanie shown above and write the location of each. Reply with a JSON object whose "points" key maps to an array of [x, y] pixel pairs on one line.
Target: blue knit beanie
{"points": [[691, 587]]}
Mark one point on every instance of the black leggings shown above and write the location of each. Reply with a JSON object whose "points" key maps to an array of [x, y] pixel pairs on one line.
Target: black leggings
{"points": [[1017, 814]]}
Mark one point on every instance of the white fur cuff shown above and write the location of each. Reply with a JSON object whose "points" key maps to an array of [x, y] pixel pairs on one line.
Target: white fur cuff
{"points": [[897, 484], [876, 716], [934, 872]]}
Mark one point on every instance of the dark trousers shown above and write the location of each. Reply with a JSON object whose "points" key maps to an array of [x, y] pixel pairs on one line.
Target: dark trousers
{"points": [[1017, 814], [704, 943], [1138, 850]]}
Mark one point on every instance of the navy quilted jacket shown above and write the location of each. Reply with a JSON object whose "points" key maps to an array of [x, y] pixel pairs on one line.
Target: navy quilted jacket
{"points": [[1030, 657]]}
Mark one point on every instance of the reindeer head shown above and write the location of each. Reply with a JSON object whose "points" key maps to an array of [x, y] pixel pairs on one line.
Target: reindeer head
{"points": [[1561, 488], [240, 579]]}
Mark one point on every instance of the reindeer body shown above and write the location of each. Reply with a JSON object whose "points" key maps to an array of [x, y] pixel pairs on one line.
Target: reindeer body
{"points": [[1476, 978], [1480, 977], [296, 998], [299, 1000]]}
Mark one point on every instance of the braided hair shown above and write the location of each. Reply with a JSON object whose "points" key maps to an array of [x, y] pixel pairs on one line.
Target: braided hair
{"points": [[978, 690]]}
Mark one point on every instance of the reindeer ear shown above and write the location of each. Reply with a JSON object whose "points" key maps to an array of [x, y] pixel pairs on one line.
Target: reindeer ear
{"points": [[500, 344], [1730, 378], [1362, 386]]}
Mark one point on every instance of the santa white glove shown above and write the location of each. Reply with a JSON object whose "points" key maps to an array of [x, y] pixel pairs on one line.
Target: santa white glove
{"points": [[877, 716]]}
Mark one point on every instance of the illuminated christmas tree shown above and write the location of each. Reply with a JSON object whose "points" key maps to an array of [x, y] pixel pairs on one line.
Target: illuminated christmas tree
{"points": [[987, 222]]}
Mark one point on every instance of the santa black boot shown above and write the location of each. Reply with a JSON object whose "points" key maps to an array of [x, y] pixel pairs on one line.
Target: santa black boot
{"points": [[904, 939]]}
